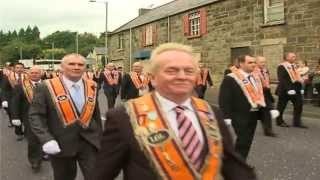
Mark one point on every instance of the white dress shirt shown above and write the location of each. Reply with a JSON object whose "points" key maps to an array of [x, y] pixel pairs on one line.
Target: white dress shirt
{"points": [[168, 107], [68, 83]]}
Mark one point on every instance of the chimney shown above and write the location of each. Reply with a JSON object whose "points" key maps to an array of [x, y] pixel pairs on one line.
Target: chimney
{"points": [[142, 11]]}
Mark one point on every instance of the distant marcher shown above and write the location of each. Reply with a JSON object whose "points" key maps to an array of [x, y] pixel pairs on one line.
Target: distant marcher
{"points": [[203, 79], [289, 89], [22, 98], [316, 82], [304, 72]]}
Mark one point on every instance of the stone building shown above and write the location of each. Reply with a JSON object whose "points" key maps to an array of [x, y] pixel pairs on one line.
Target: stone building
{"points": [[220, 30]]}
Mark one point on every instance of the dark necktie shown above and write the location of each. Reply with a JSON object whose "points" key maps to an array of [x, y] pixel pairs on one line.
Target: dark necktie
{"points": [[19, 79], [189, 138]]}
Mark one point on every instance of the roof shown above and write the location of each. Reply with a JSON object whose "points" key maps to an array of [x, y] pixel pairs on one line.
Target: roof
{"points": [[100, 50], [169, 9]]}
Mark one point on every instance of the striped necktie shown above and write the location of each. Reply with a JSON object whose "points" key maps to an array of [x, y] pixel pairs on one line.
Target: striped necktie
{"points": [[189, 138]]}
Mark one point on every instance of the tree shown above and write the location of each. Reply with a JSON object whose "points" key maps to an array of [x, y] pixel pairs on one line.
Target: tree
{"points": [[21, 34], [35, 33], [28, 37]]}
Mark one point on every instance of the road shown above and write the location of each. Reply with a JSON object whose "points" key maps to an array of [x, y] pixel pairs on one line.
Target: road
{"points": [[294, 155]]}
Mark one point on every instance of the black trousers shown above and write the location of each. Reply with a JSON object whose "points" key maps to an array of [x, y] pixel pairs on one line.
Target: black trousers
{"points": [[34, 146], [111, 97], [317, 86], [266, 120], [297, 107], [201, 91], [245, 127], [65, 168]]}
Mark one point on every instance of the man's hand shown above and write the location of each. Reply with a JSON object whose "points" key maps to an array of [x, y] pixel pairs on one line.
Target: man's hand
{"points": [[230, 128], [51, 147], [16, 122], [274, 113], [292, 92], [4, 104]]}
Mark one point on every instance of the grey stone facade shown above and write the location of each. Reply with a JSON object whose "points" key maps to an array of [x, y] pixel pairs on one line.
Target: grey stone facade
{"points": [[233, 27]]}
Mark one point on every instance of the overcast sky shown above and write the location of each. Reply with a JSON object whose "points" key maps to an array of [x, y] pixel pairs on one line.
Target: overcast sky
{"points": [[73, 15]]}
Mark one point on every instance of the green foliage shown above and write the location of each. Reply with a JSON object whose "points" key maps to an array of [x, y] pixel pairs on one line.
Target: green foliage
{"points": [[28, 40]]}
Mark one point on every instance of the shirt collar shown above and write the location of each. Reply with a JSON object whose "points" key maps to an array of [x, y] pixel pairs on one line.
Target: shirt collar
{"points": [[244, 73], [70, 83], [167, 105], [34, 82]]}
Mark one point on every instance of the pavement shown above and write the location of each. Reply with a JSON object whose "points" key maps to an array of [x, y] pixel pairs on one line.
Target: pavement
{"points": [[293, 155]]}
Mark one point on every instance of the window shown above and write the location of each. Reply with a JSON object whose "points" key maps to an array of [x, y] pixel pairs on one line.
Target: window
{"points": [[273, 11], [120, 41], [195, 23], [149, 34]]}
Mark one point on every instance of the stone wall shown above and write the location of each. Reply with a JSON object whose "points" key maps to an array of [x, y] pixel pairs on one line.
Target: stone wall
{"points": [[234, 25]]}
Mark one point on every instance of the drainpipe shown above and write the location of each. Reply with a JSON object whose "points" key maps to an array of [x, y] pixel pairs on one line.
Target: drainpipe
{"points": [[130, 49], [168, 36]]}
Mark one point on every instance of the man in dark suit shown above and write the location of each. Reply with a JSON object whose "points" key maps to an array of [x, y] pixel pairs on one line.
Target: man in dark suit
{"points": [[135, 83], [21, 98], [64, 115], [203, 79], [167, 134], [242, 101], [270, 113], [111, 80], [289, 89], [9, 81]]}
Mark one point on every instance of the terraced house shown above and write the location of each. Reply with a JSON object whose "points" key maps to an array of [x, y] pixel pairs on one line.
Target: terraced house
{"points": [[220, 30]]}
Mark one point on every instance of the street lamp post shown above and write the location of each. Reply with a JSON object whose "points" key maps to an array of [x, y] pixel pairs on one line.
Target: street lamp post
{"points": [[106, 30], [20, 52]]}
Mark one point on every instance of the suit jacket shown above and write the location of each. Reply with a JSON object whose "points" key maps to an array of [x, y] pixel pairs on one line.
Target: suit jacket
{"points": [[19, 104], [128, 90], [6, 89], [285, 83], [47, 125], [120, 151], [233, 102]]}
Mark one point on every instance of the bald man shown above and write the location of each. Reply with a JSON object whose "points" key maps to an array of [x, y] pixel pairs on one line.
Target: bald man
{"points": [[135, 83], [64, 115], [21, 100]]}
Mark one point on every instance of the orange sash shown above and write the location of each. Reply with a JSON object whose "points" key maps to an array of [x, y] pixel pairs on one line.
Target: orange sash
{"points": [[137, 82], [254, 94], [65, 106], [263, 75], [110, 80], [87, 76], [202, 80], [13, 80], [27, 87], [294, 74], [163, 148]]}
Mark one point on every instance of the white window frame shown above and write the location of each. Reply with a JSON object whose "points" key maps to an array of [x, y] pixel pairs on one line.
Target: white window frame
{"points": [[149, 35], [268, 7], [194, 23], [120, 41]]}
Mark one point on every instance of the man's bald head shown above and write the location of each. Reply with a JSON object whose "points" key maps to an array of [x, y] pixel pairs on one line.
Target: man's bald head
{"points": [[137, 67], [35, 73], [69, 57], [73, 66], [261, 61]]}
